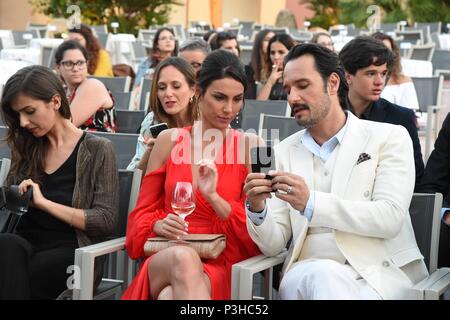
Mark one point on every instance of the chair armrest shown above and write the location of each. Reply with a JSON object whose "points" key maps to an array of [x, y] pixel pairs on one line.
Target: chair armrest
{"points": [[84, 261], [242, 275], [431, 129], [433, 286]]}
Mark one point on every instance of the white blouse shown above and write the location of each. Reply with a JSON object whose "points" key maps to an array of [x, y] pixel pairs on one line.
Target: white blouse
{"points": [[403, 94]]}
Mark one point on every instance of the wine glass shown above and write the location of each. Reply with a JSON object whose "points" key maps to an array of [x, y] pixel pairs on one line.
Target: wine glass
{"points": [[183, 202]]}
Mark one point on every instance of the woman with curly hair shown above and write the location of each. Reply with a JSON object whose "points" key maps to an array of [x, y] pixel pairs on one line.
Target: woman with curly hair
{"points": [[100, 62]]}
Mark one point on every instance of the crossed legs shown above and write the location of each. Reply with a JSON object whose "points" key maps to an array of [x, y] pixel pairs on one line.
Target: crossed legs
{"points": [[177, 273]]}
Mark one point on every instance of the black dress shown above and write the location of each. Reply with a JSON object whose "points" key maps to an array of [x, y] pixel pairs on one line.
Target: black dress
{"points": [[34, 262], [277, 92]]}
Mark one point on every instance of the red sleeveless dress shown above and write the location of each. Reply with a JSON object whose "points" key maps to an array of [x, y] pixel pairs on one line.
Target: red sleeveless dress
{"points": [[154, 204]]}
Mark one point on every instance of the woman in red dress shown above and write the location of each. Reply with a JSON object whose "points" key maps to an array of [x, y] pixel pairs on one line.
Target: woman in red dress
{"points": [[215, 159]]}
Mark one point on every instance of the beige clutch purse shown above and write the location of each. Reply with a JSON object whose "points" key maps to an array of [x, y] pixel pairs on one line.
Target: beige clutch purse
{"points": [[208, 246]]}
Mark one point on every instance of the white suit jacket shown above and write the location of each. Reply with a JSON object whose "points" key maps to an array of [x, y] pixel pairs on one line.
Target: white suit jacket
{"points": [[367, 207]]}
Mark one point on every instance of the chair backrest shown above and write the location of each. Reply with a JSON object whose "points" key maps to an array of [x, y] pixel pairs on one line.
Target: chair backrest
{"points": [[5, 152], [277, 127], [424, 52], [428, 91], [440, 72], [279, 30], [390, 27], [433, 26], [129, 121], [129, 185], [246, 30], [103, 38], [425, 32], [18, 37], [435, 40], [253, 109], [234, 30], [41, 29], [145, 92], [100, 29], [139, 51], [411, 36], [48, 57], [246, 54], [146, 35], [441, 59], [424, 211], [116, 84], [124, 145], [122, 100], [5, 164], [301, 35]]}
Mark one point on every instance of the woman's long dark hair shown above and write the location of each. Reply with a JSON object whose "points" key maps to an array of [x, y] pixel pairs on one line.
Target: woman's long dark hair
{"points": [[155, 51], [189, 74], [27, 151], [258, 58], [220, 64], [93, 46], [283, 38]]}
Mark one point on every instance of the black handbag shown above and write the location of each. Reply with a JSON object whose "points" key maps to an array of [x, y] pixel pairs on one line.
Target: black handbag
{"points": [[13, 206]]}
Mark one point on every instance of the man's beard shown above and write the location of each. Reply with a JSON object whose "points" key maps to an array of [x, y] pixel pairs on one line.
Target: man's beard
{"points": [[317, 115]]}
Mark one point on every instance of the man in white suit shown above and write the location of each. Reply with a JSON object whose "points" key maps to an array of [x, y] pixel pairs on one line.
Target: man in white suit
{"points": [[341, 192]]}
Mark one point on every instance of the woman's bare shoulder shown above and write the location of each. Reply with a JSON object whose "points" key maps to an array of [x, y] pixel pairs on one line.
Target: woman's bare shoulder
{"points": [[404, 79]]}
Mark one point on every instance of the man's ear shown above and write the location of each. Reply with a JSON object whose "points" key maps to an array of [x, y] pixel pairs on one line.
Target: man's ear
{"points": [[348, 77], [333, 83]]}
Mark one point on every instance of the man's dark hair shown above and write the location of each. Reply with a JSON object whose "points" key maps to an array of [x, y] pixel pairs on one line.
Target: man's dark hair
{"points": [[326, 62], [221, 37], [69, 45], [362, 52]]}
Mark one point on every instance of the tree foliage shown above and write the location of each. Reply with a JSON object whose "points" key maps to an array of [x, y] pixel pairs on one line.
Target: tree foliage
{"points": [[131, 15], [333, 12], [327, 12], [430, 10]]}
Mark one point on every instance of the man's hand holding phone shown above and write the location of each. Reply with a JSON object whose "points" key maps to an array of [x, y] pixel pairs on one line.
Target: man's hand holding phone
{"points": [[258, 185], [290, 188], [257, 189]]}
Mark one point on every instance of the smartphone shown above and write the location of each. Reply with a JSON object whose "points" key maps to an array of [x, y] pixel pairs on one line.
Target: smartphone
{"points": [[156, 129], [263, 160]]}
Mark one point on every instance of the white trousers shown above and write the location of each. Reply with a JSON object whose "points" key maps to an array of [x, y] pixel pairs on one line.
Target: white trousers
{"points": [[325, 279]]}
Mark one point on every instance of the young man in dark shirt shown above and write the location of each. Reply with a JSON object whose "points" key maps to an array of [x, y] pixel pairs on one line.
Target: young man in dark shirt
{"points": [[367, 63]]}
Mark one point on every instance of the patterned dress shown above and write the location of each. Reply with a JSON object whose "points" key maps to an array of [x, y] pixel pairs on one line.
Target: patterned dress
{"points": [[102, 120]]}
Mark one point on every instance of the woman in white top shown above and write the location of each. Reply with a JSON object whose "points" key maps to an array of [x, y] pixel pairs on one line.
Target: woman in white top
{"points": [[400, 88]]}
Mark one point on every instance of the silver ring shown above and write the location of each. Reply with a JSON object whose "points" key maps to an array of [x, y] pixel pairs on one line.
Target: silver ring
{"points": [[289, 190]]}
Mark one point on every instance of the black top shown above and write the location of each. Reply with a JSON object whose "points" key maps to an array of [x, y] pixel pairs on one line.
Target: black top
{"points": [[385, 111], [437, 179], [40, 228], [250, 93], [277, 92]]}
